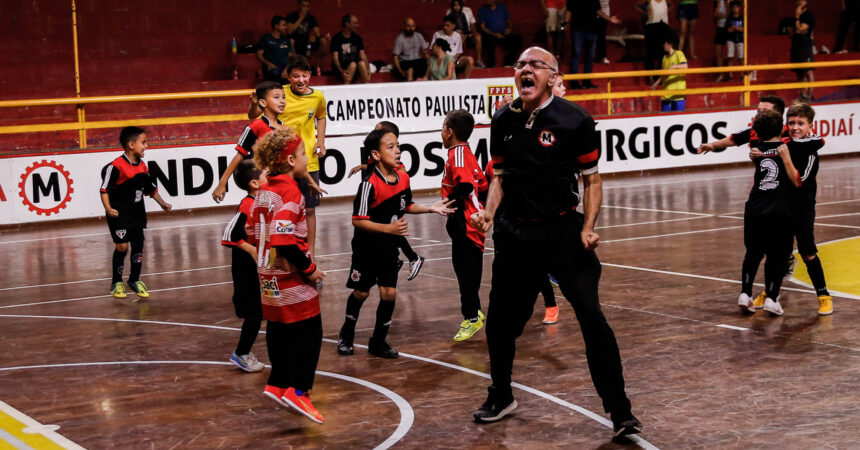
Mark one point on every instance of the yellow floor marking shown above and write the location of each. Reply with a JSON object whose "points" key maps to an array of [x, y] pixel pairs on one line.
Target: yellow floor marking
{"points": [[841, 263], [28, 432]]}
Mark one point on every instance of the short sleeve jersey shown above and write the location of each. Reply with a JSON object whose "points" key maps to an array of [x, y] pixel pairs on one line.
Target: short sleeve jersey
{"points": [[277, 218], [454, 41], [347, 48], [234, 235], [462, 167], [380, 201], [772, 190], [804, 156], [301, 34], [749, 136], [275, 50], [539, 155], [674, 81], [125, 184], [253, 132], [804, 41], [736, 21], [301, 112]]}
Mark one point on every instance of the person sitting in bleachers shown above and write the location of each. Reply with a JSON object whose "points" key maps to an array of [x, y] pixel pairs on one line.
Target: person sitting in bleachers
{"points": [[347, 52], [462, 62], [304, 30], [466, 26], [410, 52]]}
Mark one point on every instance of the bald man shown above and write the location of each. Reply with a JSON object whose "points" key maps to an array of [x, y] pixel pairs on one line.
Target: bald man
{"points": [[540, 144], [410, 52]]}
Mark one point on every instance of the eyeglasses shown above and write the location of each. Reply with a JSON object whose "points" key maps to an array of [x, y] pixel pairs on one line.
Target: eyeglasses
{"points": [[535, 63]]}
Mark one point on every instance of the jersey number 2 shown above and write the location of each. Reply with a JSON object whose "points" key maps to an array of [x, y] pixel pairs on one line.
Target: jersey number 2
{"points": [[772, 172]]}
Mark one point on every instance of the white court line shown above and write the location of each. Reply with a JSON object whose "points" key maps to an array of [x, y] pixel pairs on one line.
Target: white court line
{"points": [[66, 300], [407, 414], [837, 215], [34, 427], [732, 327], [654, 210], [836, 225], [598, 418], [652, 222], [835, 202], [638, 238]]}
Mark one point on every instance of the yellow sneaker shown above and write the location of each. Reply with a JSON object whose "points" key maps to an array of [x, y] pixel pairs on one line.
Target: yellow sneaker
{"points": [[758, 302], [825, 305], [118, 291], [469, 328], [139, 288]]}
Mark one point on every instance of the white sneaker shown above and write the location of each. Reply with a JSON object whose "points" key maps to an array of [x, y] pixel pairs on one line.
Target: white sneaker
{"points": [[248, 363], [773, 307], [745, 303], [415, 267]]}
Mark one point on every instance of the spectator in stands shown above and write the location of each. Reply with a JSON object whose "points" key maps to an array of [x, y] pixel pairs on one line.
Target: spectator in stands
{"points": [[494, 22], [721, 36], [850, 14], [600, 53], [672, 59], [582, 16], [305, 31], [440, 66], [801, 46], [467, 27], [410, 52], [274, 50], [688, 15], [555, 11], [347, 52], [735, 43], [462, 62], [656, 31]]}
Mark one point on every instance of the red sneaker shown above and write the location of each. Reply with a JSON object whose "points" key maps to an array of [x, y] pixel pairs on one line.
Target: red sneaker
{"points": [[551, 315], [275, 393], [302, 404]]}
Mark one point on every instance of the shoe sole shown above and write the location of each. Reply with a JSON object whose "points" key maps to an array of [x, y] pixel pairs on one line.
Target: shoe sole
{"points": [[746, 309], [417, 271], [382, 355], [550, 322], [498, 417], [299, 410], [247, 369], [345, 353], [276, 399], [774, 313], [469, 336], [825, 313], [627, 431]]}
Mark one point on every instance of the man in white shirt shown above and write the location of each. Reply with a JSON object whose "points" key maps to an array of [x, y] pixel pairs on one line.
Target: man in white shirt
{"points": [[463, 63]]}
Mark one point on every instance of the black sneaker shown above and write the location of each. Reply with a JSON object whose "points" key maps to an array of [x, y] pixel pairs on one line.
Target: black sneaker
{"points": [[496, 407], [344, 347], [625, 424], [415, 267], [381, 349]]}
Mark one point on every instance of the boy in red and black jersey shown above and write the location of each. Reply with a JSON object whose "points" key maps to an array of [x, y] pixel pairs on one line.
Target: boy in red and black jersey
{"points": [[246, 283], [747, 135], [383, 198], [124, 183], [270, 95], [463, 181]]}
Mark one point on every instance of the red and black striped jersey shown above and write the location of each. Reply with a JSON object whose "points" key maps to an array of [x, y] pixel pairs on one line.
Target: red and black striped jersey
{"points": [[381, 201], [234, 233], [462, 167], [125, 184], [277, 220], [539, 154], [254, 131]]}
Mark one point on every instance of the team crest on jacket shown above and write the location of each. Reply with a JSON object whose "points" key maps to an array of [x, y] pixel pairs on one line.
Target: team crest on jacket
{"points": [[546, 138], [355, 275], [495, 94]]}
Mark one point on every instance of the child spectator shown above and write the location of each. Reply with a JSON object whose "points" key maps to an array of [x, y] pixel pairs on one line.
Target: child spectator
{"points": [[382, 199], [269, 97], [288, 275], [415, 261], [735, 28], [124, 183], [673, 59], [721, 35], [462, 183], [273, 49], [246, 283]]}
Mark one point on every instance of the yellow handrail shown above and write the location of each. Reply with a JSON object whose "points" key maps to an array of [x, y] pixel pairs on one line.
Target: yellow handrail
{"points": [[697, 70]]}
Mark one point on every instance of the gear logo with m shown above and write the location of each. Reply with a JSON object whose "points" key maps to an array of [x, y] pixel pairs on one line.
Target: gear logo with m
{"points": [[46, 187]]}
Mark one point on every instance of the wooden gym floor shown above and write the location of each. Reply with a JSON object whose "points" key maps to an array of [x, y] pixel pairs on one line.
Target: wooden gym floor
{"points": [[85, 369]]}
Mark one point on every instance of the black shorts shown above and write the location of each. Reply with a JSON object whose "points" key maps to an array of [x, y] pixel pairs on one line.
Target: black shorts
{"points": [[803, 227], [721, 36], [246, 287], [123, 235], [688, 12], [373, 266], [312, 198], [801, 54]]}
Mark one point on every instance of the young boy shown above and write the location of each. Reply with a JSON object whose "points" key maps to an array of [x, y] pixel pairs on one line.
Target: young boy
{"points": [[769, 208], [462, 182], [246, 283], [270, 99], [124, 183], [673, 59], [382, 199], [415, 261], [735, 43], [288, 275]]}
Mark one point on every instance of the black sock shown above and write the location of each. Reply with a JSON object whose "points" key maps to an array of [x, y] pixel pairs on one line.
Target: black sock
{"points": [[250, 329], [136, 261], [383, 320], [353, 307], [773, 273], [118, 266], [407, 249], [816, 274], [748, 270]]}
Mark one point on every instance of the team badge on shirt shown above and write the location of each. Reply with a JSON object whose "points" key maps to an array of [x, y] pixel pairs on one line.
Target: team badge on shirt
{"points": [[495, 94], [310, 113], [269, 288], [284, 227], [546, 138]]}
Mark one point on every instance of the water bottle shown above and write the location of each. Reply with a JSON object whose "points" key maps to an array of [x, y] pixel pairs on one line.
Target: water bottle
{"points": [[235, 46]]}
